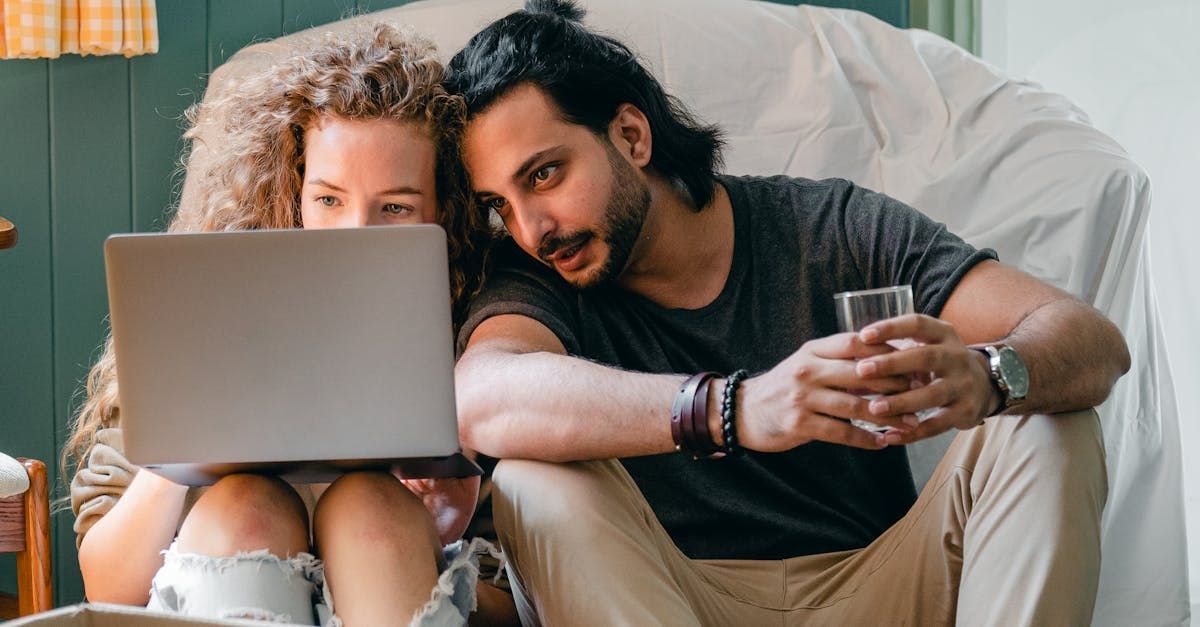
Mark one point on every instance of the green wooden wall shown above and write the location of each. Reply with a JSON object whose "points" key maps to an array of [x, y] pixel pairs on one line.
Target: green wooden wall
{"points": [[894, 12], [88, 147]]}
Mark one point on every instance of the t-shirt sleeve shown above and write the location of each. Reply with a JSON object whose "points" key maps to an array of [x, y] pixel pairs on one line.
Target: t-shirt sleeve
{"points": [[519, 285], [894, 244]]}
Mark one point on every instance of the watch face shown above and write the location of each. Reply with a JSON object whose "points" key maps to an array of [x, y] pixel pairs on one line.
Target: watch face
{"points": [[1016, 377]]}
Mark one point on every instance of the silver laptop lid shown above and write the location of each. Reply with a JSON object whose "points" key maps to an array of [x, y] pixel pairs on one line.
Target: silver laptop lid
{"points": [[278, 346]]}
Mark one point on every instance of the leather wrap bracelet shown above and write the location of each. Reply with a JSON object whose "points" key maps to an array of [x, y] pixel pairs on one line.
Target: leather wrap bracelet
{"points": [[689, 416]]}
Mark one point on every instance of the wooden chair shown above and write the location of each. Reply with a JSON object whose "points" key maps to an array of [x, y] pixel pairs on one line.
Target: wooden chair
{"points": [[25, 530], [8, 234], [25, 517]]}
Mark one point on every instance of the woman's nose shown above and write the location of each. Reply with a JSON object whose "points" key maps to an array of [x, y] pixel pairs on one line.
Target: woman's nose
{"points": [[357, 216]]}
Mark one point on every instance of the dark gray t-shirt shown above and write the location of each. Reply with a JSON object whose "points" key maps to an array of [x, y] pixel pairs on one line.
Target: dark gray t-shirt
{"points": [[797, 242]]}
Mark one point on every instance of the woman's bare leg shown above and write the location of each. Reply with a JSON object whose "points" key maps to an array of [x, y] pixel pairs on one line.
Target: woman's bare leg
{"points": [[234, 523], [246, 513], [495, 608], [380, 549]]}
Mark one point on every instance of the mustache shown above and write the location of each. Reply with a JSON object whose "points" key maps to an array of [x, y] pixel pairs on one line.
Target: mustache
{"points": [[553, 245]]}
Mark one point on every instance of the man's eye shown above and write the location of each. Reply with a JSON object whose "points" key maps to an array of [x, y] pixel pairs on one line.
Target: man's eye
{"points": [[544, 174], [494, 204], [395, 209]]}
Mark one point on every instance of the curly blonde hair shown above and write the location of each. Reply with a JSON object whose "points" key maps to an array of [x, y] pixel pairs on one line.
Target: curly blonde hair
{"points": [[254, 173]]}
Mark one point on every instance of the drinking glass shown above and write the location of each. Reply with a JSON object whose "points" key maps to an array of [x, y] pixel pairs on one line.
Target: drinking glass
{"points": [[856, 310]]}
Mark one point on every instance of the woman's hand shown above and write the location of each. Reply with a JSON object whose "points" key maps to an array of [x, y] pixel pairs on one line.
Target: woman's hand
{"points": [[450, 501]]}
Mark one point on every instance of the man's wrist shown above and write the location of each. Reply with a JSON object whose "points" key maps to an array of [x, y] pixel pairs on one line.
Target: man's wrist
{"points": [[690, 425], [1009, 375], [994, 401], [715, 392]]}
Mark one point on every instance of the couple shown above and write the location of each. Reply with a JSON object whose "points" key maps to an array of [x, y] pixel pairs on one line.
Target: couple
{"points": [[631, 265]]}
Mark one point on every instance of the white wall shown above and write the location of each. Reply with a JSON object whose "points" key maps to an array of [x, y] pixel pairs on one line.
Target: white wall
{"points": [[1134, 67]]}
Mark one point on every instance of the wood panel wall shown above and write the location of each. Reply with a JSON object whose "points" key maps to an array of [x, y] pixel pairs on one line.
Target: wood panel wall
{"points": [[88, 147]]}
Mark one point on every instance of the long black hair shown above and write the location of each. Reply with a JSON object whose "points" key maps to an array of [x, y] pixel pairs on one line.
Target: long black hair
{"points": [[588, 76]]}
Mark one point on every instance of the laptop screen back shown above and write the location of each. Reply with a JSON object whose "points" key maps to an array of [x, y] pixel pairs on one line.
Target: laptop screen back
{"points": [[269, 346]]}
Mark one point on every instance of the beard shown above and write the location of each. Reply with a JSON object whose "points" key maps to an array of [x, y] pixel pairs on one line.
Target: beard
{"points": [[624, 215]]}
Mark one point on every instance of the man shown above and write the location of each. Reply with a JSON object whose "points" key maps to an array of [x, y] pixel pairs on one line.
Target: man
{"points": [[632, 265]]}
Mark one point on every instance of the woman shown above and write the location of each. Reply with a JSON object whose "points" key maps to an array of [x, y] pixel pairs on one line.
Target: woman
{"points": [[354, 132]]}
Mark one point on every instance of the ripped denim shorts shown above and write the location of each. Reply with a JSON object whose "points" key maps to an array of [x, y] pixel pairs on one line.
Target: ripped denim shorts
{"points": [[260, 586]]}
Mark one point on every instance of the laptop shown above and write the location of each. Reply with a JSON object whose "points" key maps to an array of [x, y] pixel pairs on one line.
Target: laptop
{"points": [[299, 353]]}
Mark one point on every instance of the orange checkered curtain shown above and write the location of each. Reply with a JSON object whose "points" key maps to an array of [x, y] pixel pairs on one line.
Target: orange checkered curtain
{"points": [[31, 29]]}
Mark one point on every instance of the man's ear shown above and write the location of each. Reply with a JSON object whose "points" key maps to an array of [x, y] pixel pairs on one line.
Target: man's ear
{"points": [[629, 132]]}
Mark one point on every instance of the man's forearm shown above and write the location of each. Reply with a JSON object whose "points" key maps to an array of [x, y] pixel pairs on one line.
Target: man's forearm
{"points": [[1074, 356], [552, 407]]}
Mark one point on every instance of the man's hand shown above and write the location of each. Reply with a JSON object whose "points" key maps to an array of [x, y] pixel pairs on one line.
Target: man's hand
{"points": [[958, 384], [812, 394], [451, 502]]}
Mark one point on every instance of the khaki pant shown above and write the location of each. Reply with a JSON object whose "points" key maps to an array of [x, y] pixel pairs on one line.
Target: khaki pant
{"points": [[1006, 532]]}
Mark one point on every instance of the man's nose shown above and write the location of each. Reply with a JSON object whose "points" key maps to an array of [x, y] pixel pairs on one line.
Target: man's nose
{"points": [[533, 224]]}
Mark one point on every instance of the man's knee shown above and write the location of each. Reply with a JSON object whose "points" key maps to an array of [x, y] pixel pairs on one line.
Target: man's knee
{"points": [[1067, 440], [537, 489], [1066, 446], [515, 487], [243, 513], [546, 499]]}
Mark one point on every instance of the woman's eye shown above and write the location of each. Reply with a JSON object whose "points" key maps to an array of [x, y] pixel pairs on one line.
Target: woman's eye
{"points": [[544, 174], [494, 204], [328, 201], [398, 210]]}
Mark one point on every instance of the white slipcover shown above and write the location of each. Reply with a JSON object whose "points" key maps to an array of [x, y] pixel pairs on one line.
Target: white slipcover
{"points": [[817, 93]]}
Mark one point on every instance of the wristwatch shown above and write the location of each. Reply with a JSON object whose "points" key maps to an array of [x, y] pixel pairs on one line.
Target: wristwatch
{"points": [[1009, 374]]}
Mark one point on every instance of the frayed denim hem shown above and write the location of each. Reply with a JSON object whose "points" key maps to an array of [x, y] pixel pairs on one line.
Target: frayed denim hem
{"points": [[257, 585], [453, 597], [253, 585]]}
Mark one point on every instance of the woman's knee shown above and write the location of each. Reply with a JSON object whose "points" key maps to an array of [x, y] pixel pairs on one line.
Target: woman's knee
{"points": [[371, 507], [246, 513]]}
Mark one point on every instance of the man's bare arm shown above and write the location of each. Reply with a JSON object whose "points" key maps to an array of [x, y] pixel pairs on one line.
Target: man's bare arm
{"points": [[1074, 354], [520, 395]]}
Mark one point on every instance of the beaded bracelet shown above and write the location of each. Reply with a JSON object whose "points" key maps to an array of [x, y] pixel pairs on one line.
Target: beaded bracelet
{"points": [[728, 413]]}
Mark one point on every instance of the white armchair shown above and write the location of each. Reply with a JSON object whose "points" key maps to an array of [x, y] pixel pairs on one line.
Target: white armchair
{"points": [[817, 93]]}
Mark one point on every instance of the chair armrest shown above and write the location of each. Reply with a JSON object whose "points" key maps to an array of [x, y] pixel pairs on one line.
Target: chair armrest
{"points": [[25, 530]]}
